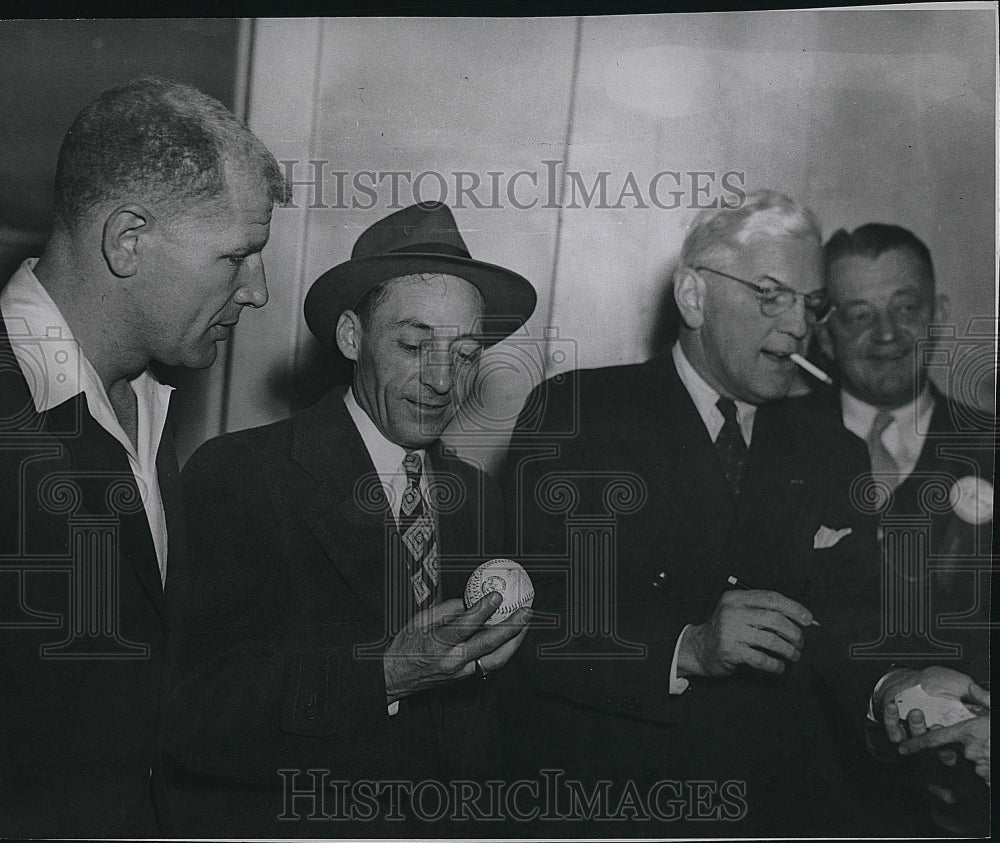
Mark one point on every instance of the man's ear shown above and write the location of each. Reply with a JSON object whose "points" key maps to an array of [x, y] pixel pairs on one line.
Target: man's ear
{"points": [[348, 334], [689, 293], [942, 308], [123, 228]]}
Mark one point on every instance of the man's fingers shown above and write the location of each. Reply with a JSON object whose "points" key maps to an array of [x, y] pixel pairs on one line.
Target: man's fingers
{"points": [[980, 696], [775, 602], [491, 638], [944, 682], [779, 624], [916, 721], [893, 725], [438, 614], [941, 793], [499, 657], [930, 738], [461, 625], [482, 610], [439, 623], [763, 639], [520, 619], [759, 660]]}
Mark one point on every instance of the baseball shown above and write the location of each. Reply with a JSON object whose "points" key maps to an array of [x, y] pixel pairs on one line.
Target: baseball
{"points": [[938, 711], [505, 576], [972, 500]]}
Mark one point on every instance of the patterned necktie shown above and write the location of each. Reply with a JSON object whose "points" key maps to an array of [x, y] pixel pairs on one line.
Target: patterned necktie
{"points": [[882, 461], [729, 444], [416, 529]]}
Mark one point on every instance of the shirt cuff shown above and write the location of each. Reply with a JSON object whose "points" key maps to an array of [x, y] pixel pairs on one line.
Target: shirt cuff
{"points": [[393, 708], [678, 684]]}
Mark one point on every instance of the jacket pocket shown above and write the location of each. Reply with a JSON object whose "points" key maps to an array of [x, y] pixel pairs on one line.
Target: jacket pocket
{"points": [[311, 685]]}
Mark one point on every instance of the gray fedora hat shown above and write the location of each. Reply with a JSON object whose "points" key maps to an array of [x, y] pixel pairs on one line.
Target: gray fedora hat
{"points": [[420, 238]]}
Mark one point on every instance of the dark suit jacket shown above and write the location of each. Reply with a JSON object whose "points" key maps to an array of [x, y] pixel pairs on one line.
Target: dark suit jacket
{"points": [[628, 443], [77, 723], [290, 528], [960, 443]]}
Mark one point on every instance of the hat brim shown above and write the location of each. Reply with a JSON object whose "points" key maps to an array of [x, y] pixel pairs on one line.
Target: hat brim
{"points": [[509, 299]]}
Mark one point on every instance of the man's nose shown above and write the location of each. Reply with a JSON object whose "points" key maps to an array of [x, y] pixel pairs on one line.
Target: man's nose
{"points": [[437, 371], [793, 320], [252, 288], [885, 328]]}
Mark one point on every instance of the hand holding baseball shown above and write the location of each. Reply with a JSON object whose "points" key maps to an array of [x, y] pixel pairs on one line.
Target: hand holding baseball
{"points": [[973, 735], [506, 577], [935, 680], [442, 643]]}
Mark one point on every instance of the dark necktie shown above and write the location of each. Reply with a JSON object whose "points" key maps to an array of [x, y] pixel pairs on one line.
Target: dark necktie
{"points": [[416, 529], [883, 463], [730, 446]]}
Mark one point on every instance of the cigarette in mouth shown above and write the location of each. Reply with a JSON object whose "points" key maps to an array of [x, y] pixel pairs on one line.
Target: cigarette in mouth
{"points": [[819, 374]]}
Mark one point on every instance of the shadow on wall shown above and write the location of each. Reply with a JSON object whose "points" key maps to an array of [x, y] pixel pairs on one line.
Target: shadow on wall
{"points": [[302, 385], [666, 320], [295, 385]]}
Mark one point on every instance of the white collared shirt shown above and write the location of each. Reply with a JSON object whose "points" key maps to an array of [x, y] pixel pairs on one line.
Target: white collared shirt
{"points": [[705, 399], [904, 437], [388, 458], [57, 370]]}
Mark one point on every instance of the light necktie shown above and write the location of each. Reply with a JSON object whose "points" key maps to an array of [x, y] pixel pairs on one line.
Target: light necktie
{"points": [[416, 530], [729, 444], [883, 462]]}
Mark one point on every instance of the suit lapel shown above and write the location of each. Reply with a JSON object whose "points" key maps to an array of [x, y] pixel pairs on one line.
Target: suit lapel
{"points": [[672, 444], [349, 514], [460, 532], [939, 429], [774, 482], [171, 494]]}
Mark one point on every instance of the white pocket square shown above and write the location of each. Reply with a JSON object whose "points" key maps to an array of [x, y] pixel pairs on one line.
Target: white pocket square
{"points": [[825, 537]]}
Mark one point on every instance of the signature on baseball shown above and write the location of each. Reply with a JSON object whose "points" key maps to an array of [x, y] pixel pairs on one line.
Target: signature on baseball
{"points": [[506, 577]]}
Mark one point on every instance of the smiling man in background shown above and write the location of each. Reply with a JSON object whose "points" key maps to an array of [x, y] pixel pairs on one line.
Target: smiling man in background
{"points": [[921, 444], [162, 207], [881, 280]]}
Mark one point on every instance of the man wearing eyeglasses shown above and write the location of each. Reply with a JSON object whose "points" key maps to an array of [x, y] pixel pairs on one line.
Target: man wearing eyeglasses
{"points": [[923, 447], [718, 685]]}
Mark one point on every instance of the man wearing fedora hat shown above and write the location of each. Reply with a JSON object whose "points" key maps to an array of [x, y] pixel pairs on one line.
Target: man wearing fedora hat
{"points": [[328, 662]]}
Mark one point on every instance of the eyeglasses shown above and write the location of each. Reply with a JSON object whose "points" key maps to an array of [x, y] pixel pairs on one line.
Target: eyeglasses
{"points": [[904, 308], [775, 298]]}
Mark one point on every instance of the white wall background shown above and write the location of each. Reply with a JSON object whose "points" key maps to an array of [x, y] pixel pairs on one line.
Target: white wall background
{"points": [[863, 115]]}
